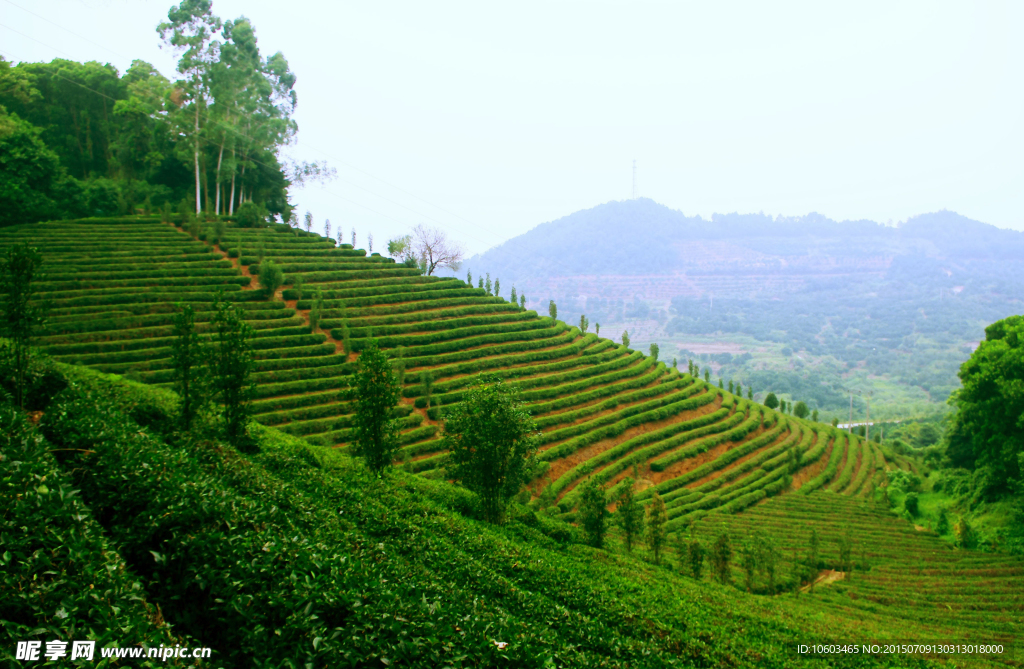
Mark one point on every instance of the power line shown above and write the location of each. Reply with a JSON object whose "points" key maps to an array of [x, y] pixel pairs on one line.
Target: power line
{"points": [[70, 32]]}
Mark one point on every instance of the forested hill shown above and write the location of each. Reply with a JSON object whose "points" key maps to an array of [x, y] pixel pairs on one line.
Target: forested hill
{"points": [[642, 237], [824, 308]]}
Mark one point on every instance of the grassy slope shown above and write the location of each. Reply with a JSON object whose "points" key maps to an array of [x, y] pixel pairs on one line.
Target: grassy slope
{"points": [[296, 552]]}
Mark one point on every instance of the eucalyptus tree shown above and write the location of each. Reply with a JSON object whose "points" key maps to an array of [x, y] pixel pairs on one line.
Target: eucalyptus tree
{"points": [[191, 28]]}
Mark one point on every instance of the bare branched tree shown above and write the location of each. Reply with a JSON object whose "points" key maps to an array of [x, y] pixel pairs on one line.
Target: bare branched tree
{"points": [[434, 249]]}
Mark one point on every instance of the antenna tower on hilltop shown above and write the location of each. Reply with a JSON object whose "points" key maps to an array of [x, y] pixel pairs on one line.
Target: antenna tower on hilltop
{"points": [[635, 193]]}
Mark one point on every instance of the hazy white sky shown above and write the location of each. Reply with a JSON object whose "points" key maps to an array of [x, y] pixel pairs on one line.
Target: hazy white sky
{"points": [[489, 118]]}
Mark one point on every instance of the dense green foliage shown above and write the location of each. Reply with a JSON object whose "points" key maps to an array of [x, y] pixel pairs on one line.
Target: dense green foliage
{"points": [[61, 578], [376, 394], [491, 443], [629, 515], [189, 360], [606, 414], [593, 514], [82, 139], [987, 430], [233, 363], [19, 271]]}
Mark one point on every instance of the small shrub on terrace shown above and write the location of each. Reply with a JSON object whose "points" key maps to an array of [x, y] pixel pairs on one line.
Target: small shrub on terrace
{"points": [[800, 410], [656, 532], [21, 316], [629, 515], [187, 356], [593, 512], [771, 401], [491, 441], [317, 312], [183, 211], [695, 556], [250, 215], [721, 556], [220, 228], [910, 504], [270, 277], [233, 362], [377, 390]]}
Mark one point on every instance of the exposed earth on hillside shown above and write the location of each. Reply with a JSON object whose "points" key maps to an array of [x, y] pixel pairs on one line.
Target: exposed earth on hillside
{"points": [[810, 308]]}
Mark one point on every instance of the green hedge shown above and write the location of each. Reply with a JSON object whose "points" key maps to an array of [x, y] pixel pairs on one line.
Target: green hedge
{"points": [[203, 326], [661, 393], [382, 332], [615, 429], [735, 434], [412, 342], [344, 436], [277, 404], [543, 336], [345, 422], [867, 463], [263, 339], [326, 410], [840, 484], [410, 301], [625, 396], [551, 391], [724, 459], [617, 462], [334, 318], [525, 350], [128, 321], [564, 371], [821, 433], [298, 346], [644, 407], [59, 575], [830, 469]]}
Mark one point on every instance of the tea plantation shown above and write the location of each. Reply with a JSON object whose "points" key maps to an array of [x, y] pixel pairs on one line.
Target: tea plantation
{"points": [[603, 409], [297, 553]]}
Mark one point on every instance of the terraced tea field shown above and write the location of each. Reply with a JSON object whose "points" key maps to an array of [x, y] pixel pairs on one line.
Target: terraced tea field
{"points": [[906, 584], [605, 411]]}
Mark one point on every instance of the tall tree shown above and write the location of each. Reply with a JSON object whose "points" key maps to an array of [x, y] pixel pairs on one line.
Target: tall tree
{"points": [[987, 430], [233, 362], [18, 271], [656, 532], [696, 554], [491, 441], [377, 390], [191, 28], [629, 515], [721, 557], [188, 356], [593, 512], [435, 250]]}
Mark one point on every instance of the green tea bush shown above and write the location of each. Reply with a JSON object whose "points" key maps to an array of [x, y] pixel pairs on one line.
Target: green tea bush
{"points": [[59, 575]]}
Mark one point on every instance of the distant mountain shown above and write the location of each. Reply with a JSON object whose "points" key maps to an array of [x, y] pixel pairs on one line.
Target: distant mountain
{"points": [[643, 238], [808, 306]]}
